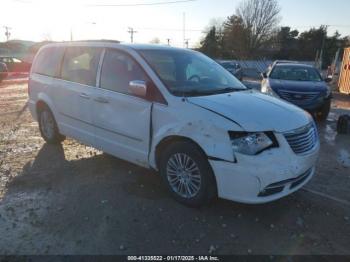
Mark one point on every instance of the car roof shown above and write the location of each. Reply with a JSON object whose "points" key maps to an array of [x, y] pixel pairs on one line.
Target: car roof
{"points": [[116, 44], [152, 47]]}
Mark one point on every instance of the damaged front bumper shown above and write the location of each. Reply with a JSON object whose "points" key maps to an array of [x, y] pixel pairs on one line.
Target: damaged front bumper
{"points": [[268, 176]]}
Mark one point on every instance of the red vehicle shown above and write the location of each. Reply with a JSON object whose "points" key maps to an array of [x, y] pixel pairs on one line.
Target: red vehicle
{"points": [[15, 65]]}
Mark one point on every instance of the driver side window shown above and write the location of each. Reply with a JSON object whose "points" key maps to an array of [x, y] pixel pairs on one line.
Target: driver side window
{"points": [[118, 69]]}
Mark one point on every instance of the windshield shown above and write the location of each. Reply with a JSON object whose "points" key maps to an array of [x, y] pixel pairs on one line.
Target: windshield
{"points": [[295, 73], [190, 73], [230, 66]]}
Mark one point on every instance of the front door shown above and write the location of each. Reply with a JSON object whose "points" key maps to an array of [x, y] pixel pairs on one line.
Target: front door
{"points": [[121, 120]]}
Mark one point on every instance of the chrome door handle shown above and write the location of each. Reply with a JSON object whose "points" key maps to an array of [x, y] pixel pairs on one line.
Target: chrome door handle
{"points": [[101, 100], [85, 96]]}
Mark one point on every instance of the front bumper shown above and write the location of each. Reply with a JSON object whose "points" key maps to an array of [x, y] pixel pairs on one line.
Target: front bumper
{"points": [[271, 175], [316, 105]]}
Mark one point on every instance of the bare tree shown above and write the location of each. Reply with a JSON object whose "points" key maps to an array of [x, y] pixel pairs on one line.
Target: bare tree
{"points": [[248, 33], [155, 41], [260, 19]]}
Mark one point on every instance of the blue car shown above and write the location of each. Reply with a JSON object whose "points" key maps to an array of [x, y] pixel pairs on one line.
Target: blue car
{"points": [[299, 84], [234, 68]]}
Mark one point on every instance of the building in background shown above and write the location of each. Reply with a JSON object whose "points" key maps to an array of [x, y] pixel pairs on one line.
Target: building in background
{"points": [[344, 78]]}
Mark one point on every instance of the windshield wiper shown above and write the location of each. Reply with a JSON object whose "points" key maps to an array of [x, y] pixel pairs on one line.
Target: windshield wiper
{"points": [[199, 92], [228, 90], [192, 92]]}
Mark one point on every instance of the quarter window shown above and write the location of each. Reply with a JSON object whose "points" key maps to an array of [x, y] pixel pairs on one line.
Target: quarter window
{"points": [[80, 65], [48, 61], [118, 69]]}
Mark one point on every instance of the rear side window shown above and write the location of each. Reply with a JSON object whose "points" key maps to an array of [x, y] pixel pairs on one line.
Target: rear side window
{"points": [[80, 65], [48, 61], [118, 69]]}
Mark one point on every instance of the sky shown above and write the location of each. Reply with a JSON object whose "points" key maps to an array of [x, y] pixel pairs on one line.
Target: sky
{"points": [[38, 20]]}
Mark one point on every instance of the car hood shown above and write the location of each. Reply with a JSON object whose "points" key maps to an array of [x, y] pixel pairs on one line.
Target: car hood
{"points": [[302, 86], [254, 111]]}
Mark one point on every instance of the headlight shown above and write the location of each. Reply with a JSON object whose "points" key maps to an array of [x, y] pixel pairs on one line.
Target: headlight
{"points": [[266, 89], [251, 143]]}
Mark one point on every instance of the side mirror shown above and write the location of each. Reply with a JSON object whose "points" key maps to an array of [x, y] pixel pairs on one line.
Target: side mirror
{"points": [[328, 79], [264, 75], [138, 88]]}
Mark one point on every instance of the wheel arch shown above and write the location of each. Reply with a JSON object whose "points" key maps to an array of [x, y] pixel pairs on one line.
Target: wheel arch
{"points": [[40, 104], [167, 141], [44, 100]]}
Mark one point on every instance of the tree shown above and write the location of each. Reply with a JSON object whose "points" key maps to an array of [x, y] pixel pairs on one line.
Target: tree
{"points": [[235, 39], [311, 42], [210, 43], [246, 34], [259, 19], [155, 41], [286, 42]]}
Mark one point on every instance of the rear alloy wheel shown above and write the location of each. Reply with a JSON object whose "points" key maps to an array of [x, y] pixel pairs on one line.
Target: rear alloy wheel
{"points": [[187, 174], [48, 127]]}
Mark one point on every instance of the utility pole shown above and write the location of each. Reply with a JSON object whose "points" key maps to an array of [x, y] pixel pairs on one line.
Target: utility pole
{"points": [[7, 32], [168, 40], [131, 31], [184, 28], [186, 42], [71, 34]]}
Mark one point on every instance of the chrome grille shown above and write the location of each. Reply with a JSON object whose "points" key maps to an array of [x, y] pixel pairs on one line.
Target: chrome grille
{"points": [[302, 140], [298, 97]]}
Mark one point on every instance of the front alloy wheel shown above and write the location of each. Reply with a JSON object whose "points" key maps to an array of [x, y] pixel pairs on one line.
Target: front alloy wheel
{"points": [[183, 175], [187, 173]]}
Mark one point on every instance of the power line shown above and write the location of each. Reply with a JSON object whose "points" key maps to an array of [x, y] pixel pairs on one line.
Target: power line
{"points": [[339, 25], [171, 29], [144, 4], [309, 26]]}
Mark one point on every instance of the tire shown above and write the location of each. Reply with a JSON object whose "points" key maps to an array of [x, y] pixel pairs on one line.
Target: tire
{"points": [[48, 126], [343, 124], [322, 114], [201, 184]]}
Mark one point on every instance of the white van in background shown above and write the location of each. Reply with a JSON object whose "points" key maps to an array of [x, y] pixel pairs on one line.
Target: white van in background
{"points": [[176, 111]]}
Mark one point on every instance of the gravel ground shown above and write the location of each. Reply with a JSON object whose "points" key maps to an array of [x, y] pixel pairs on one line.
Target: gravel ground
{"points": [[73, 199]]}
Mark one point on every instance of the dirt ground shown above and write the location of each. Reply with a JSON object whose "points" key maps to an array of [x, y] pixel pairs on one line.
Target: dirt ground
{"points": [[72, 199]]}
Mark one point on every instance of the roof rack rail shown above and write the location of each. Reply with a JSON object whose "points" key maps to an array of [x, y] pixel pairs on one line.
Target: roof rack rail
{"points": [[99, 40]]}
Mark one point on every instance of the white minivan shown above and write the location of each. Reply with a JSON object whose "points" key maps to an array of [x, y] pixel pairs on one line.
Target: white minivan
{"points": [[178, 112]]}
